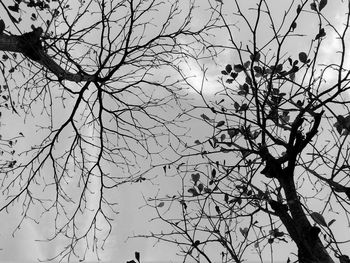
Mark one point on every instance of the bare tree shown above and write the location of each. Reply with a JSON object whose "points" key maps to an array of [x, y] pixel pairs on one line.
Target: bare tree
{"points": [[100, 83], [272, 177]]}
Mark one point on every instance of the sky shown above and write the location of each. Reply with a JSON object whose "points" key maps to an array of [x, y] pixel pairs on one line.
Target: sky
{"points": [[134, 218]]}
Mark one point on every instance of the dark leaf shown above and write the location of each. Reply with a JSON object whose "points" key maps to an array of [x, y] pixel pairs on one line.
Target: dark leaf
{"points": [[229, 81], [322, 33], [244, 231], [313, 6], [195, 177], [217, 208], [318, 218], [33, 17], [2, 26], [236, 105], [220, 123], [200, 187], [292, 76], [223, 72], [232, 132], [137, 256], [246, 64], [228, 68], [322, 4], [255, 57], [244, 107], [293, 26], [223, 137], [193, 192], [14, 8], [234, 75], [238, 68], [226, 198], [298, 9], [213, 173], [131, 261], [207, 190], [331, 222], [258, 69], [279, 234], [205, 117], [303, 57]]}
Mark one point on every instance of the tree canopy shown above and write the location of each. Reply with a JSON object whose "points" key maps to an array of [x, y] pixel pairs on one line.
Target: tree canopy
{"points": [[106, 88]]}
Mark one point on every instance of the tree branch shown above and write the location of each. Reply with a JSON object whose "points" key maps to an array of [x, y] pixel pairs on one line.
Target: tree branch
{"points": [[26, 45]]}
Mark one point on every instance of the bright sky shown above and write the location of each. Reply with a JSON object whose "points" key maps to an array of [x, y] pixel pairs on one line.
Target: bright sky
{"points": [[132, 219]]}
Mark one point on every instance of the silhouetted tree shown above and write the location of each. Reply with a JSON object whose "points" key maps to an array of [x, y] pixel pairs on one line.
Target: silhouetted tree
{"points": [[272, 176], [98, 83]]}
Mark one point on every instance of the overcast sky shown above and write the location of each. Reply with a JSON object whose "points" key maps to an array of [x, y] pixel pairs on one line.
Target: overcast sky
{"points": [[132, 219]]}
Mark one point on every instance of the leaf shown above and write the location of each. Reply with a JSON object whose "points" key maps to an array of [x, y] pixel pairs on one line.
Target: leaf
{"points": [[313, 6], [234, 75], [217, 208], [197, 142], [2, 26], [223, 72], [244, 107], [236, 105], [220, 123], [238, 68], [205, 117], [228, 68], [232, 132], [255, 57], [318, 218], [213, 173], [14, 8], [137, 256], [320, 34], [195, 177], [223, 137], [207, 190], [200, 187], [293, 26], [226, 198], [298, 9], [303, 57], [161, 204], [322, 4], [244, 231], [331, 222], [193, 192]]}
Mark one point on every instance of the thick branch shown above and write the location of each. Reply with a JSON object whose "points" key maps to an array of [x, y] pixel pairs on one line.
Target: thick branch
{"points": [[30, 48]]}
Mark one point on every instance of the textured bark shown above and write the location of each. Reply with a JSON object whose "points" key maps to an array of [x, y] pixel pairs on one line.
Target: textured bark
{"points": [[14, 43]]}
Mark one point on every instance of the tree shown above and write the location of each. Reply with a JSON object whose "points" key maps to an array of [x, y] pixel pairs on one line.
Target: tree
{"points": [[100, 83], [272, 175]]}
